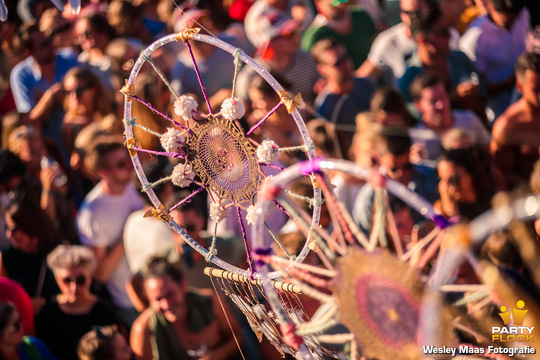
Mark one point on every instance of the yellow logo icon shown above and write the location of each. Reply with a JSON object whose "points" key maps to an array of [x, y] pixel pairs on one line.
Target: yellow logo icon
{"points": [[516, 316], [513, 329]]}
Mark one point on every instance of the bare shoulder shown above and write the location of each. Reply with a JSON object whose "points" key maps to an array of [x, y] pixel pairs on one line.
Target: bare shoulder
{"points": [[505, 123]]}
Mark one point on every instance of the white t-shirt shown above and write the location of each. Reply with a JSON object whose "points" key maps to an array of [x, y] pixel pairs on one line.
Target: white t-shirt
{"points": [[463, 119], [145, 237], [391, 48], [100, 223], [494, 50]]}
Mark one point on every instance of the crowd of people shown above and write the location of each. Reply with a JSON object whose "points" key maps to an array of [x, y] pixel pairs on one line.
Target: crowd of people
{"points": [[446, 102]]}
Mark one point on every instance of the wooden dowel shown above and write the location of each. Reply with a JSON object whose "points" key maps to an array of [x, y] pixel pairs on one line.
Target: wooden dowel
{"points": [[280, 285]]}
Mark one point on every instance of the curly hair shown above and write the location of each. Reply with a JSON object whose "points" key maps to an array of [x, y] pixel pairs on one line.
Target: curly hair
{"points": [[71, 256]]}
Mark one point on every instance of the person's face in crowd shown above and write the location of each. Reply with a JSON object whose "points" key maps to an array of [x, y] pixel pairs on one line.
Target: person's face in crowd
{"points": [[390, 119], [167, 297], [79, 95], [503, 20], [529, 86], [121, 348], [397, 167], [12, 334], [32, 150], [83, 34], [41, 48], [19, 238], [62, 34], [434, 105], [285, 43], [456, 181], [334, 10], [119, 167], [408, 9], [73, 283], [438, 39], [190, 221], [261, 102], [404, 224], [337, 65]]}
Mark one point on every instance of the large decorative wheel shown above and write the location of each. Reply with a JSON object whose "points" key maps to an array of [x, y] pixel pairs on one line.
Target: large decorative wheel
{"points": [[374, 292], [398, 304], [212, 151]]}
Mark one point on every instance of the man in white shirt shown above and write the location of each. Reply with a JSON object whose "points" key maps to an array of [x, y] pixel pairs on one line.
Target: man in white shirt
{"points": [[393, 46], [433, 103], [101, 219]]}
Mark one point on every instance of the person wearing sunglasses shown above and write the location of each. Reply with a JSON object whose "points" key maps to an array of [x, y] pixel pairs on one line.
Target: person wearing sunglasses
{"points": [[435, 55], [392, 47], [13, 344], [93, 33], [343, 95], [86, 101], [36, 83], [74, 311], [102, 216], [278, 52]]}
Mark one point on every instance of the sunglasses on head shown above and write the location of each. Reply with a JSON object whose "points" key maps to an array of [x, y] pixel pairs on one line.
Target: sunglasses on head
{"points": [[79, 280]]}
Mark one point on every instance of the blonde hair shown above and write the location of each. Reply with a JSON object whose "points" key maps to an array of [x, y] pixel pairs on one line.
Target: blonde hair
{"points": [[363, 145], [71, 256]]}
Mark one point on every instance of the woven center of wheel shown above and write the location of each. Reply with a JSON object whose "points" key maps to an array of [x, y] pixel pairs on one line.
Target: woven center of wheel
{"points": [[225, 159], [387, 309]]}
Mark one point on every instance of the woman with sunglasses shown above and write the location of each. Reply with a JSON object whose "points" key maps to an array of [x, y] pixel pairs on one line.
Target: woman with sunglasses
{"points": [[13, 344], [74, 311], [86, 102]]}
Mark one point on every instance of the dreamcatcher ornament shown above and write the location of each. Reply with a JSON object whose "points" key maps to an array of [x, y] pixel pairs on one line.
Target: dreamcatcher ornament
{"points": [[391, 307], [359, 283], [211, 150]]}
